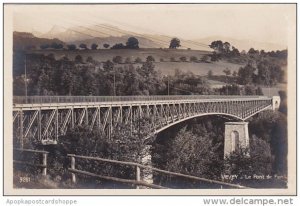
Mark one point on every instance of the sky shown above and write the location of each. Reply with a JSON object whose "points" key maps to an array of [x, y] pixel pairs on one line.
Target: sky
{"points": [[257, 22]]}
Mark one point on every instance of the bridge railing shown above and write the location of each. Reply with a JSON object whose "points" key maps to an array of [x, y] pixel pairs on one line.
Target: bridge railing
{"points": [[74, 99]]}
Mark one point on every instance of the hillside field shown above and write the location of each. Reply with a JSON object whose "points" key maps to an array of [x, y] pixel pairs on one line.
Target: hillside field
{"points": [[197, 68], [162, 58]]}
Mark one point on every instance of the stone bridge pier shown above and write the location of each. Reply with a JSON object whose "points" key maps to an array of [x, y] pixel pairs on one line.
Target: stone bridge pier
{"points": [[236, 136]]}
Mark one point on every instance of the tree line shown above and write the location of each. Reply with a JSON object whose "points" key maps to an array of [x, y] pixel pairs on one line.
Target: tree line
{"points": [[131, 43], [49, 76]]}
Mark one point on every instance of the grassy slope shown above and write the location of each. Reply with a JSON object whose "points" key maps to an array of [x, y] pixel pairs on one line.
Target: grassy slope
{"points": [[197, 68], [165, 67]]}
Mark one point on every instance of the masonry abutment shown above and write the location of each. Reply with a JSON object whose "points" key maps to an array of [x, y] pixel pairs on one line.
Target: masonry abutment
{"points": [[236, 136]]}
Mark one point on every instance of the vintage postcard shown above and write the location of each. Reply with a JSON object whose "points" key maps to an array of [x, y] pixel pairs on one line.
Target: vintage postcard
{"points": [[149, 99]]}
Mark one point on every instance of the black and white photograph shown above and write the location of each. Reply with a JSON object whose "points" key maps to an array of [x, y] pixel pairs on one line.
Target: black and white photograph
{"points": [[149, 99]]}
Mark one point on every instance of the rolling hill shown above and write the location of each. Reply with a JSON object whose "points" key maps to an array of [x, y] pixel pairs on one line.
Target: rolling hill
{"points": [[24, 40]]}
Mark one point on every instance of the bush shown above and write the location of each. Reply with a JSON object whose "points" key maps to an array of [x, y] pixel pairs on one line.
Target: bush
{"points": [[128, 60], [117, 59], [193, 59], [150, 59], [172, 59], [138, 60], [183, 59]]}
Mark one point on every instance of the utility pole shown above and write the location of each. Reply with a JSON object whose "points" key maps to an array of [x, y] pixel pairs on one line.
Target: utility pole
{"points": [[168, 86], [25, 81], [114, 81]]}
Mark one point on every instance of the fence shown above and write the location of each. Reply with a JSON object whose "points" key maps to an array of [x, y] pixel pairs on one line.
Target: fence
{"points": [[138, 167], [44, 159]]}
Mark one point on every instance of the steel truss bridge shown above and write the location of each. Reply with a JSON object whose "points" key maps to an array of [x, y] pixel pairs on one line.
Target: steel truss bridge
{"points": [[45, 118]]}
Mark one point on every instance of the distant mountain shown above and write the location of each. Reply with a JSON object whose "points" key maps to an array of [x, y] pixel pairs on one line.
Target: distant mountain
{"points": [[104, 33], [80, 33], [25, 40], [53, 33], [243, 44], [99, 34]]}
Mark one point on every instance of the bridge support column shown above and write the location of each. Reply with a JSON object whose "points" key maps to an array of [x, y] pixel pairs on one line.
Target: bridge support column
{"points": [[236, 136]]}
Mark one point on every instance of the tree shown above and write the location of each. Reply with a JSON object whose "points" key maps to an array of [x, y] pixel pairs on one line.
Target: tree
{"points": [[245, 162], [227, 72], [128, 60], [262, 52], [271, 126], [269, 73], [181, 152], [44, 46], [215, 56], [94, 46], [118, 46], [71, 47], [55, 45], [226, 47], [204, 58], [175, 43], [235, 52], [78, 59], [30, 47], [83, 46], [246, 74], [253, 51], [108, 65], [150, 59], [183, 59], [132, 43], [232, 89], [250, 90], [193, 59], [90, 59], [117, 59], [138, 60], [217, 46], [105, 45], [243, 52], [150, 79], [126, 143]]}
